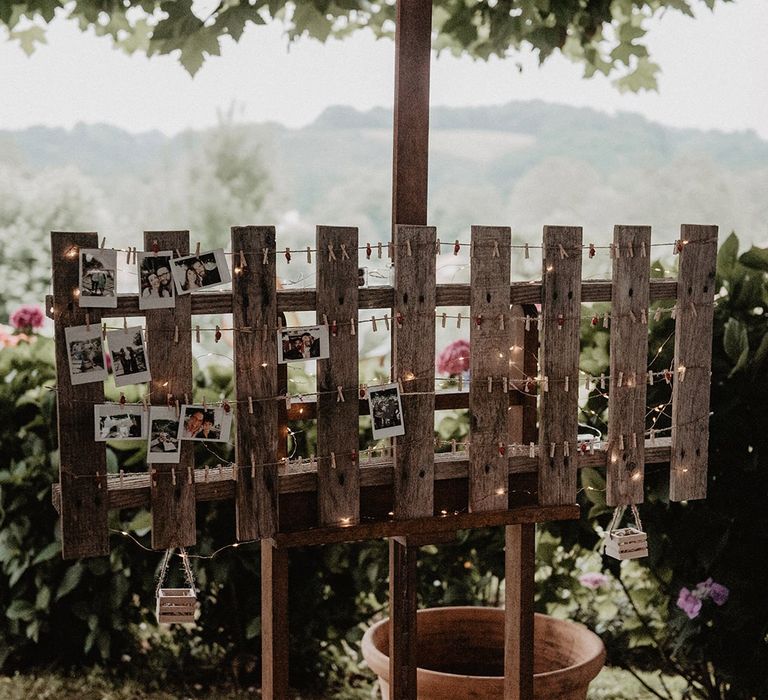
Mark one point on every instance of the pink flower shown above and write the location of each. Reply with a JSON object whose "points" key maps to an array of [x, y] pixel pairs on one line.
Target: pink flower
{"points": [[28, 317], [711, 589], [12, 339], [593, 580], [689, 603], [454, 359]]}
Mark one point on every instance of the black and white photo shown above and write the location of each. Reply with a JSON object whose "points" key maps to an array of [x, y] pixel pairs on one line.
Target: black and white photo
{"points": [[210, 423], [195, 272], [302, 343], [98, 278], [156, 286], [128, 352], [386, 411], [163, 443], [116, 422], [85, 350]]}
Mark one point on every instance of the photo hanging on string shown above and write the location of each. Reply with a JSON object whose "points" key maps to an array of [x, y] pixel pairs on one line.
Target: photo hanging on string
{"points": [[116, 422], [128, 352], [205, 423], [386, 411], [98, 278], [193, 273], [302, 343], [85, 351], [156, 286], [163, 443]]}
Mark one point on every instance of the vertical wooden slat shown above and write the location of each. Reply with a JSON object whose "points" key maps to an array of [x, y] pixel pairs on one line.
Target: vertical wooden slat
{"points": [[84, 507], [693, 351], [559, 359], [491, 343], [413, 44], [274, 621], [402, 620], [519, 588], [413, 350], [173, 505], [254, 306], [629, 359], [338, 488]]}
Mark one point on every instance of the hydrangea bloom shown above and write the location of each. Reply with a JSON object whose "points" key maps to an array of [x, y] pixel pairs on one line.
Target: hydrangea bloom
{"points": [[454, 359], [593, 580], [27, 317], [711, 589], [689, 603]]}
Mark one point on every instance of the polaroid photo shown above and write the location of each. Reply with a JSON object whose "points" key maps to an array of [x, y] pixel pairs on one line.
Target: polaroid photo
{"points": [[98, 278], [130, 363], [163, 444], [156, 286], [302, 344], [193, 273], [116, 422], [210, 423], [85, 350], [386, 411]]}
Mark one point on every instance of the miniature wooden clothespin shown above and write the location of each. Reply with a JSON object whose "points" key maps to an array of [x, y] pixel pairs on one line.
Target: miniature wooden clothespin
{"points": [[437, 246], [505, 384], [545, 384], [197, 248], [458, 320], [552, 449], [566, 449], [197, 334], [490, 385], [527, 322], [390, 250], [87, 321], [501, 322], [309, 254], [442, 321], [339, 394], [243, 261], [176, 334], [288, 255], [612, 250], [563, 251], [657, 314], [650, 377], [643, 251], [567, 384], [378, 250], [250, 405], [531, 450], [456, 247], [630, 249], [495, 253], [621, 378], [373, 324], [352, 322], [265, 256], [333, 460], [605, 319], [602, 380], [526, 252], [408, 247], [173, 475], [386, 321], [344, 254]]}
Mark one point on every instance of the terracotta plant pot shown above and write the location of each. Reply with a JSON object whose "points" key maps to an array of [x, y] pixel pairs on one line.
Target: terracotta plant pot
{"points": [[461, 655]]}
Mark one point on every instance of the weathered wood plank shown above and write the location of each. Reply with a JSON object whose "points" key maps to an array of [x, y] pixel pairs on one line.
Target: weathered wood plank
{"points": [[403, 585], [254, 304], [629, 359], [274, 621], [559, 362], [693, 361], [519, 589], [84, 504], [413, 359], [338, 487], [491, 342], [173, 504]]}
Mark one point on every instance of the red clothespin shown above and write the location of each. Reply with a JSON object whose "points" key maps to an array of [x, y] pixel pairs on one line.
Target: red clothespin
{"points": [[217, 335], [502, 449], [679, 246], [668, 376], [456, 248], [122, 399], [595, 320], [560, 320], [368, 251], [334, 328], [288, 255], [592, 250], [479, 320], [363, 391], [354, 455], [225, 405], [399, 320]]}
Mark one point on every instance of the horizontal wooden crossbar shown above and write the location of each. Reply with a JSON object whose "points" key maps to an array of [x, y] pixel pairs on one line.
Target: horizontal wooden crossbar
{"points": [[382, 297], [134, 489]]}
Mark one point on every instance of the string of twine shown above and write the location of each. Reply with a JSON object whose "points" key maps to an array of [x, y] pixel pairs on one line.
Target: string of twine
{"points": [[165, 563]]}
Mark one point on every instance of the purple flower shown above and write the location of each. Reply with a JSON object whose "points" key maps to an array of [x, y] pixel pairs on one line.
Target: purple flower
{"points": [[27, 317], [719, 593], [593, 580], [454, 359], [689, 603]]}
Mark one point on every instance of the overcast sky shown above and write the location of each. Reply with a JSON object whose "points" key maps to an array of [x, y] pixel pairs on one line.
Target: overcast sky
{"points": [[713, 77]]}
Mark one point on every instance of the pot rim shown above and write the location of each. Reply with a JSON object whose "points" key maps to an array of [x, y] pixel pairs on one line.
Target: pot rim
{"points": [[375, 657]]}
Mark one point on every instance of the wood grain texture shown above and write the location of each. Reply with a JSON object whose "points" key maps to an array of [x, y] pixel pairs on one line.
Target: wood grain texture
{"points": [[254, 304], [84, 501], [338, 488], [693, 351], [403, 585], [519, 590], [491, 343], [274, 621], [559, 358], [413, 358], [629, 361], [413, 43], [173, 505]]}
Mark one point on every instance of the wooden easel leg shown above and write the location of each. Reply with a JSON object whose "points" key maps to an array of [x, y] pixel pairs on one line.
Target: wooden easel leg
{"points": [[402, 620], [274, 621], [519, 566]]}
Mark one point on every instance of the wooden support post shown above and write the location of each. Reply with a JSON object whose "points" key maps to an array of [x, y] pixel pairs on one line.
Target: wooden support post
{"points": [[413, 44], [402, 620], [84, 505], [338, 481], [629, 359], [173, 504], [693, 362], [519, 570], [559, 357], [274, 621], [491, 342], [254, 306]]}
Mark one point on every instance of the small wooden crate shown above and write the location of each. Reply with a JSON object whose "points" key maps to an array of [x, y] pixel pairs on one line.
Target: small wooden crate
{"points": [[627, 543], [176, 605]]}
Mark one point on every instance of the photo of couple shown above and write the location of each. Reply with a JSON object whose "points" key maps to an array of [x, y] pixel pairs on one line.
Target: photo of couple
{"points": [[156, 288], [98, 286], [205, 423], [86, 354], [129, 356], [195, 272], [386, 411], [301, 344]]}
